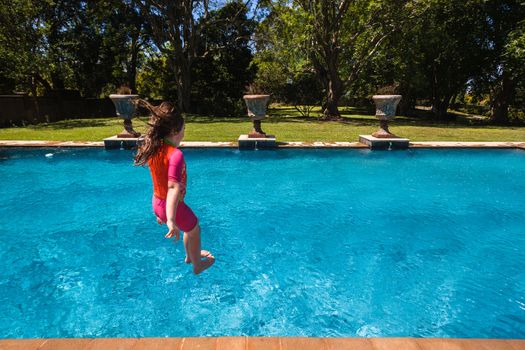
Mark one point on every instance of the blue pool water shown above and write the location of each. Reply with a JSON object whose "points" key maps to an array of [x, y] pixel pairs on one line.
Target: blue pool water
{"points": [[423, 243]]}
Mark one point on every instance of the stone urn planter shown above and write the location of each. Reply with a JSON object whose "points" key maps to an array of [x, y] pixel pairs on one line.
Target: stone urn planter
{"points": [[385, 111], [125, 108], [256, 105]]}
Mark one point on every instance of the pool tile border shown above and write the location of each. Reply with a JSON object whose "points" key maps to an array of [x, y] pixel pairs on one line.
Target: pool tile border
{"points": [[261, 343], [293, 144]]}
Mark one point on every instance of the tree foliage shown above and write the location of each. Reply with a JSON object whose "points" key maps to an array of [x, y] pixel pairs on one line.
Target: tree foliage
{"points": [[222, 68], [336, 39], [73, 44], [21, 43], [203, 53], [436, 50]]}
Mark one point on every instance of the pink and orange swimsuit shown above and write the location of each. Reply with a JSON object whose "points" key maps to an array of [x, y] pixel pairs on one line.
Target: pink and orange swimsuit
{"points": [[169, 165]]}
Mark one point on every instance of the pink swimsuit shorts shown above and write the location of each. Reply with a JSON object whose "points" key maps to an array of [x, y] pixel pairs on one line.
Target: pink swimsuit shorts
{"points": [[185, 219]]}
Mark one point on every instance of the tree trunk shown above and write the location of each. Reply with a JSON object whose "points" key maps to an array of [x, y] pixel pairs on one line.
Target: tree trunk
{"points": [[35, 100], [331, 109], [132, 66], [184, 89], [407, 103], [334, 91], [173, 22], [501, 99], [439, 110], [38, 78], [57, 80], [440, 106]]}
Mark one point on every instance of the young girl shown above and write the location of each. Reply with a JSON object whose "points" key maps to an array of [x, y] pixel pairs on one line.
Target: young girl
{"points": [[168, 172]]}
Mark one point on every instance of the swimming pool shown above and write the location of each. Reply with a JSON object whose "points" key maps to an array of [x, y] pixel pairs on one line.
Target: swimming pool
{"points": [[423, 243]]}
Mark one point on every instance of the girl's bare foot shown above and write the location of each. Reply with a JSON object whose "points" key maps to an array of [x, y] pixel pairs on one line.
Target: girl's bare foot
{"points": [[204, 254], [207, 262]]}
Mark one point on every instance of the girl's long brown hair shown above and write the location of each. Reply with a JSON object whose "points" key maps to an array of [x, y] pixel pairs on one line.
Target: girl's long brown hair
{"points": [[164, 120]]}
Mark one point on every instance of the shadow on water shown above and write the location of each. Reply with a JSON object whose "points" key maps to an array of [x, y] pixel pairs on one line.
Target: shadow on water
{"points": [[4, 155]]}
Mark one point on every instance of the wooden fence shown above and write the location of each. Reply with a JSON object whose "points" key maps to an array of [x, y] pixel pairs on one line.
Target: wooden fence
{"points": [[22, 109]]}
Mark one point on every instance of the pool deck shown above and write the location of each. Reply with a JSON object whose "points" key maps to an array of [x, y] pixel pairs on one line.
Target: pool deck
{"points": [[261, 343], [202, 144]]}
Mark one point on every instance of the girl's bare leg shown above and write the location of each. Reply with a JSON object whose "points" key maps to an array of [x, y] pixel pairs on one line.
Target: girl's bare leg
{"points": [[195, 253], [187, 260], [186, 248]]}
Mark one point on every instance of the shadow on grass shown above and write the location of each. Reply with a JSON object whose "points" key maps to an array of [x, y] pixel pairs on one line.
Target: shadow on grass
{"points": [[365, 120], [193, 118], [287, 114], [74, 123], [275, 118], [317, 111]]}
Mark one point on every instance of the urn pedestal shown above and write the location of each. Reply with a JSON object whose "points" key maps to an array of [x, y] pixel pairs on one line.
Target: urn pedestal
{"points": [[257, 138], [125, 109], [385, 111], [256, 105], [383, 139]]}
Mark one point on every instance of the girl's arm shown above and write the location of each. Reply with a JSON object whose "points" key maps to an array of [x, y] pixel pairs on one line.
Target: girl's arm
{"points": [[172, 201]]}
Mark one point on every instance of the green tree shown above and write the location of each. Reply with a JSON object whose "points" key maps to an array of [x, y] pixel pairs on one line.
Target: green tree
{"points": [[282, 48], [336, 39], [125, 38], [104, 44], [515, 58], [22, 45], [222, 66], [175, 27], [156, 79], [81, 45], [505, 69], [438, 52], [454, 50]]}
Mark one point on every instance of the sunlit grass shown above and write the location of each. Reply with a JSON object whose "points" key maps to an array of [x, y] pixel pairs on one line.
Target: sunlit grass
{"points": [[284, 122]]}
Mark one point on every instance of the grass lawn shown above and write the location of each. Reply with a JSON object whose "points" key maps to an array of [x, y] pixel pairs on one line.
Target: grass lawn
{"points": [[284, 122]]}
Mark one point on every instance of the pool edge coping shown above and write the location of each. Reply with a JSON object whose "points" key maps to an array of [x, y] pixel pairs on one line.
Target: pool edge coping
{"points": [[244, 342], [291, 144]]}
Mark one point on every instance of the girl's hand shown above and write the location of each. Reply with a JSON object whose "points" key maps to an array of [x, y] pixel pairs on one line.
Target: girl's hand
{"points": [[173, 231]]}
